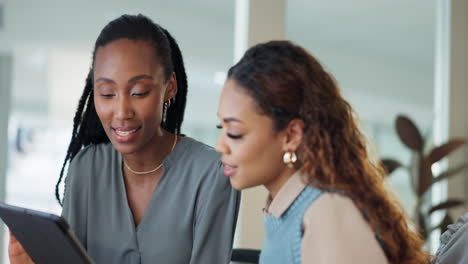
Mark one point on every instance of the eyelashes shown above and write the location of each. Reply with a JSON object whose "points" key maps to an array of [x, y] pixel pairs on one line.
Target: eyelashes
{"points": [[232, 136], [107, 95], [141, 94], [133, 94]]}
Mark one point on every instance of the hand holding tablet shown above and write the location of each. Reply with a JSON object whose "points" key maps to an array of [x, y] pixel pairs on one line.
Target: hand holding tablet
{"points": [[16, 252], [46, 238]]}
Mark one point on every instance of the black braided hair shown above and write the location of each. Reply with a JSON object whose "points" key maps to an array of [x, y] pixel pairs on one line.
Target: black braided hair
{"points": [[87, 128], [175, 113]]}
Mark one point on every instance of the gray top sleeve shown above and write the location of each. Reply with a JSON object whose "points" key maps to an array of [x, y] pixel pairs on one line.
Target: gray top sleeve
{"points": [[75, 199], [213, 220], [454, 243]]}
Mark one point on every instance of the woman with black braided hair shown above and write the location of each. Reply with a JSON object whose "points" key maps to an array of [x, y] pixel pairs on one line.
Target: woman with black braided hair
{"points": [[136, 190]]}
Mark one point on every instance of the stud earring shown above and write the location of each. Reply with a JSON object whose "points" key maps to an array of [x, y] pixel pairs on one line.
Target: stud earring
{"points": [[289, 158]]}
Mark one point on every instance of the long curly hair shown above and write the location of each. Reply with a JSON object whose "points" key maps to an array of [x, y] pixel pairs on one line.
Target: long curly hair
{"points": [[286, 82]]}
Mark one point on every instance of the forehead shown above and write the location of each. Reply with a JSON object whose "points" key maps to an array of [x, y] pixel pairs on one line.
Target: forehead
{"points": [[234, 100], [236, 103], [124, 54]]}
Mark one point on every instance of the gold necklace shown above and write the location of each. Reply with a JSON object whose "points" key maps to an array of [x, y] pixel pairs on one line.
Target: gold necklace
{"points": [[153, 170]]}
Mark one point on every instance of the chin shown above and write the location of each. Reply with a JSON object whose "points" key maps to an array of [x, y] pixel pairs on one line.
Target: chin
{"points": [[241, 185], [234, 184], [124, 149], [237, 185]]}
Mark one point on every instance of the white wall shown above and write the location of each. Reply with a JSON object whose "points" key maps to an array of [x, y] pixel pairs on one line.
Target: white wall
{"points": [[401, 68], [456, 104], [381, 52], [382, 45], [37, 29], [5, 76]]}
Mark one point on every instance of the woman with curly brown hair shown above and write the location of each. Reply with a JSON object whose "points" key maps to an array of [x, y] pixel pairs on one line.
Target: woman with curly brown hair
{"points": [[285, 125]]}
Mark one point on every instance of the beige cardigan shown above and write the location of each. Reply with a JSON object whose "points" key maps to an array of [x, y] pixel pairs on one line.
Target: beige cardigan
{"points": [[334, 229]]}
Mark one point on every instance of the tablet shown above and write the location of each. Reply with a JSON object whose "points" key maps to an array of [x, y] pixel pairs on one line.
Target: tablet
{"points": [[47, 238]]}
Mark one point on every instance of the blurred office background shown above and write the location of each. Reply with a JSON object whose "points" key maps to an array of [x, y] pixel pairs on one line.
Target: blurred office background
{"points": [[389, 57]]}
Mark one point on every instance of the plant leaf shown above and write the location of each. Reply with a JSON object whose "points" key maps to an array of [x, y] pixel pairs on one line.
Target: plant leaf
{"points": [[445, 223], [422, 226], [409, 133], [446, 205], [450, 173], [414, 171], [390, 165], [425, 176], [443, 150]]}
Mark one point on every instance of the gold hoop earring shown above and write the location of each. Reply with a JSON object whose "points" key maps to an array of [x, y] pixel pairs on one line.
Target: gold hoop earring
{"points": [[167, 104], [165, 107], [289, 158]]}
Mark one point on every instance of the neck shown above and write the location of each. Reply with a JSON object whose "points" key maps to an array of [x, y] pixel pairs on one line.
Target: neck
{"points": [[275, 185], [150, 157]]}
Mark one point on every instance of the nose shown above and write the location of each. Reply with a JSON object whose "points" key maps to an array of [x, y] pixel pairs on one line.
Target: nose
{"points": [[123, 109], [221, 146]]}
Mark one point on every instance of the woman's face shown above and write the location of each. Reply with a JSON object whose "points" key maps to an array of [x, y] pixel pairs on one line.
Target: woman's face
{"points": [[129, 90], [251, 149]]}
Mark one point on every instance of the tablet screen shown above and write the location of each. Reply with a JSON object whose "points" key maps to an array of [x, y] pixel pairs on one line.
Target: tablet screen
{"points": [[47, 238]]}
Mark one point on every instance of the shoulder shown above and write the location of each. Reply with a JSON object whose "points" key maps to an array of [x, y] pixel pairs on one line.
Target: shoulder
{"points": [[89, 160], [334, 223], [333, 206], [196, 154], [332, 210], [200, 164], [93, 153], [199, 150]]}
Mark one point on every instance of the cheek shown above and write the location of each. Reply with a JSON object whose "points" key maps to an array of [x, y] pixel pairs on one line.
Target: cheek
{"points": [[102, 109], [151, 111], [259, 163]]}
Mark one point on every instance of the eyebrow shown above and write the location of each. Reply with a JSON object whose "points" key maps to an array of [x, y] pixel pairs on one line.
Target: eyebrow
{"points": [[231, 119], [133, 79], [139, 77]]}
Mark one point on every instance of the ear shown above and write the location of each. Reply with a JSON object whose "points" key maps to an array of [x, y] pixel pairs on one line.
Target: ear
{"points": [[293, 135], [171, 88]]}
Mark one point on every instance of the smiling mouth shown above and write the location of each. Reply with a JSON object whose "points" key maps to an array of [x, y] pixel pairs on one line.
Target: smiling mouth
{"points": [[125, 133], [229, 170], [229, 166]]}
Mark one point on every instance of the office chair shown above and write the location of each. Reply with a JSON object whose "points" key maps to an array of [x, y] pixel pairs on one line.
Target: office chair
{"points": [[243, 255]]}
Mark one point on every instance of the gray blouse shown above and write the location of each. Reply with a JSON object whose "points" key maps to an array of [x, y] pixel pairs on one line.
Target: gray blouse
{"points": [[190, 219]]}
